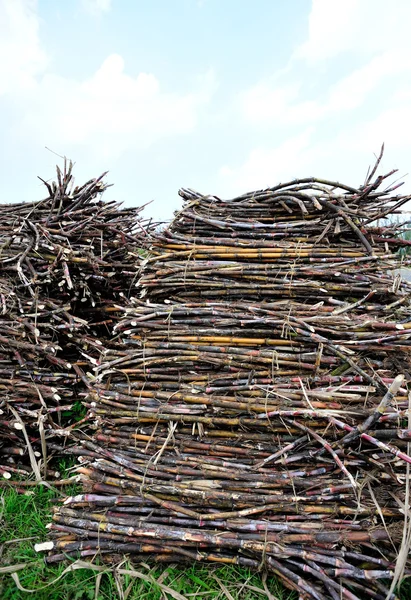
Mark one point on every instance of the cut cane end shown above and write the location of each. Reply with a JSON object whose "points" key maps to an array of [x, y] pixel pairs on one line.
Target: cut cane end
{"points": [[44, 546]]}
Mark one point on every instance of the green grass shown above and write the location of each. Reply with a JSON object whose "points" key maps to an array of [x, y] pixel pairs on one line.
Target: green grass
{"points": [[22, 524]]}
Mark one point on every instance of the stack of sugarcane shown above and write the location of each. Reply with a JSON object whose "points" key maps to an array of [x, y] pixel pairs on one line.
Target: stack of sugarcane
{"points": [[253, 408], [309, 239], [65, 262]]}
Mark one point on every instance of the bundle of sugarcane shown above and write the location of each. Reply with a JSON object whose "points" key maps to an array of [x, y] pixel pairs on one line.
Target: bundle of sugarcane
{"points": [[72, 245], [311, 488], [185, 362], [255, 416], [307, 238], [65, 262], [315, 495]]}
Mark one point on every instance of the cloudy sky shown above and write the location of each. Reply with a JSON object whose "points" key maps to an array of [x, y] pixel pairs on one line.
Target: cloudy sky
{"points": [[220, 95]]}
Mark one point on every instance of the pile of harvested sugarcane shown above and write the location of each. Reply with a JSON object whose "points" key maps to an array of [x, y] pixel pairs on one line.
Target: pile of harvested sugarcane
{"points": [[253, 407], [65, 261]]}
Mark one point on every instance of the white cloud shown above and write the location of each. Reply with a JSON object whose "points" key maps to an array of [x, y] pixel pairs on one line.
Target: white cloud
{"points": [[343, 154], [349, 116], [96, 7], [110, 112], [331, 29], [21, 54], [266, 166], [356, 26], [352, 91], [392, 125], [378, 38], [344, 158], [265, 103]]}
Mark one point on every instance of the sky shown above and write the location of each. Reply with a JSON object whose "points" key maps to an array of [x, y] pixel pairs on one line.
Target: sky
{"points": [[223, 96]]}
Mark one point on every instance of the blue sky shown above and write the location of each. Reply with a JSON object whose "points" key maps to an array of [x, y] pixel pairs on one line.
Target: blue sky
{"points": [[220, 95]]}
